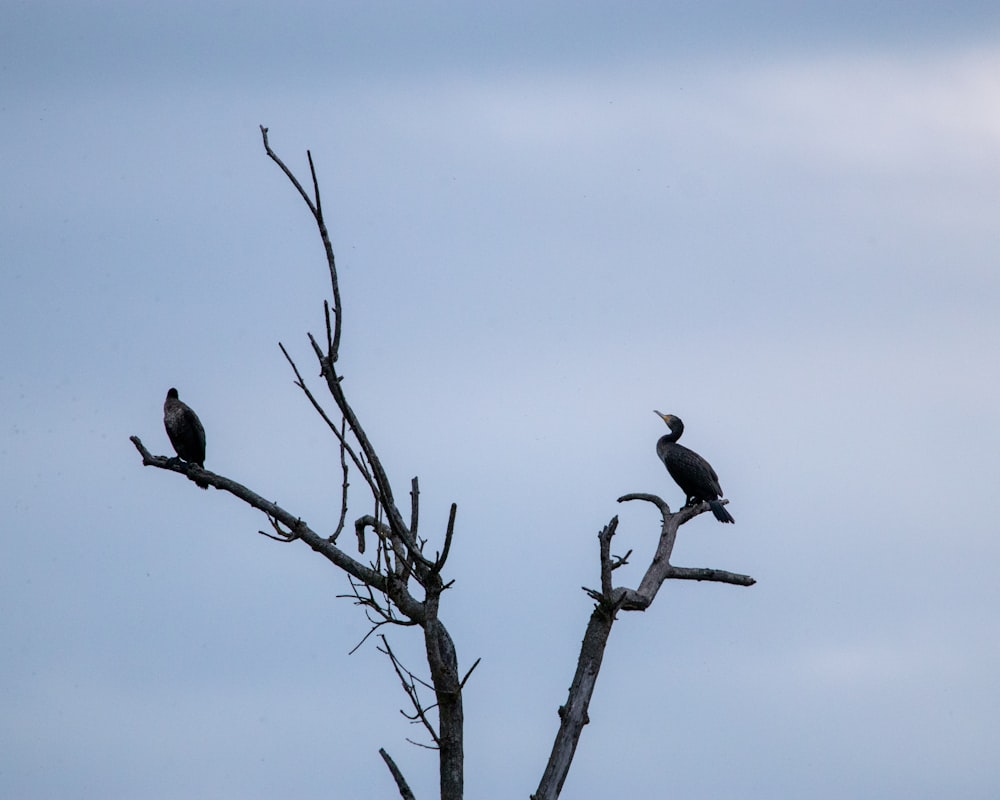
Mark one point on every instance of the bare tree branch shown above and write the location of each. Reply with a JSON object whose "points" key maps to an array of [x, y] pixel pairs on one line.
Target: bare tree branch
{"points": [[288, 173], [469, 673], [383, 486], [404, 601], [660, 568], [439, 562], [369, 521], [573, 716], [399, 554], [344, 486], [604, 537], [340, 432], [317, 211], [414, 505], [404, 788], [280, 534]]}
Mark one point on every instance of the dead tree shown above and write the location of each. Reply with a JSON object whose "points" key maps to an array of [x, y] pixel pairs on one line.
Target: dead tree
{"points": [[402, 584]]}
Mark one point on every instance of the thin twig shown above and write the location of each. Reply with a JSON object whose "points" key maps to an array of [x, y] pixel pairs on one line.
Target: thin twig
{"points": [[373, 629], [282, 535], [288, 173], [343, 495], [620, 561], [317, 213], [439, 562], [312, 171], [469, 673], [300, 382], [385, 492], [410, 688]]}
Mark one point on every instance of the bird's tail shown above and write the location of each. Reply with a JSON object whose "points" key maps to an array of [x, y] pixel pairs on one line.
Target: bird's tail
{"points": [[720, 511]]}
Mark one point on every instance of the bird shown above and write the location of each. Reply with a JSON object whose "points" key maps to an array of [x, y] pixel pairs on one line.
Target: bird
{"points": [[185, 431], [689, 470]]}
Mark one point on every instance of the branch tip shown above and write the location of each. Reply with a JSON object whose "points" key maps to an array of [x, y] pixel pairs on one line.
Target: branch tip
{"points": [[404, 788]]}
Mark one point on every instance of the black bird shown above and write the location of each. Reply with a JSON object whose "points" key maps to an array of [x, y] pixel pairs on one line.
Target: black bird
{"points": [[185, 431], [689, 470]]}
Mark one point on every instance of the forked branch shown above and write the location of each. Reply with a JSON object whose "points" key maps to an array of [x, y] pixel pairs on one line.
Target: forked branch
{"points": [[609, 600]]}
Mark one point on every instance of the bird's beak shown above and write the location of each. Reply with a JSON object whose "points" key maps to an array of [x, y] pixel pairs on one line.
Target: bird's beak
{"points": [[661, 416]]}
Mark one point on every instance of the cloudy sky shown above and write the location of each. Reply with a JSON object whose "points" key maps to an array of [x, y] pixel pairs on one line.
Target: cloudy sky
{"points": [[778, 221]]}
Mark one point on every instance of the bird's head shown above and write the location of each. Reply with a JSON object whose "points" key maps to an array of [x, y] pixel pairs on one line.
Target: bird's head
{"points": [[674, 423]]}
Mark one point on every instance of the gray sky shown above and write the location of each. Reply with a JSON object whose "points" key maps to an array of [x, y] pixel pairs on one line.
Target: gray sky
{"points": [[777, 222]]}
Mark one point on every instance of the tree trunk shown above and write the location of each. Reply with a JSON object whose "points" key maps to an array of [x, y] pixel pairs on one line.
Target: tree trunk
{"points": [[443, 662], [573, 716]]}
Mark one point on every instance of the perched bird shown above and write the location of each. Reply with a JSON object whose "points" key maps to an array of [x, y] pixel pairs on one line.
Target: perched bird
{"points": [[185, 431], [689, 470]]}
